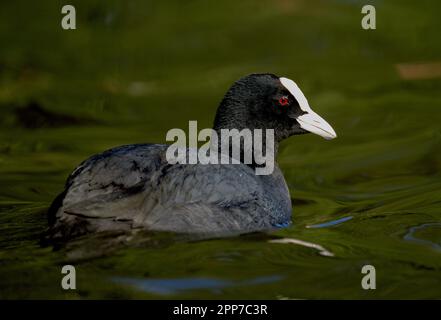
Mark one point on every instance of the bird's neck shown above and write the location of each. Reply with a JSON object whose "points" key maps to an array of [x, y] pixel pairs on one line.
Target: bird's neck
{"points": [[233, 120]]}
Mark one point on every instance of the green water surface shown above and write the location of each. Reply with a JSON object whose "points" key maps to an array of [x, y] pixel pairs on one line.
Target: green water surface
{"points": [[132, 70]]}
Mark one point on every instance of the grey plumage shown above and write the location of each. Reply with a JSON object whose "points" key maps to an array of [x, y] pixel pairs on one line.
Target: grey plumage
{"points": [[135, 187]]}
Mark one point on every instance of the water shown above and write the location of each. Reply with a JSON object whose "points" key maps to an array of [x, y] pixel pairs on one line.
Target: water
{"points": [[330, 223], [432, 228], [177, 286], [371, 196]]}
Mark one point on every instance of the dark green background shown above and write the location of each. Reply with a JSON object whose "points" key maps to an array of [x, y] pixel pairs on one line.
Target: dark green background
{"points": [[134, 69]]}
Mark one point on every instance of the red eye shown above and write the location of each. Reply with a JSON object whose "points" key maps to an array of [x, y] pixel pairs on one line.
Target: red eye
{"points": [[283, 101]]}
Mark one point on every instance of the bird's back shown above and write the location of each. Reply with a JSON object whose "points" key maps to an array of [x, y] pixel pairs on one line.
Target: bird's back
{"points": [[134, 186]]}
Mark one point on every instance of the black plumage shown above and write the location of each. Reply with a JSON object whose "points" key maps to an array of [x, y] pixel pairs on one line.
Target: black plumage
{"points": [[134, 186]]}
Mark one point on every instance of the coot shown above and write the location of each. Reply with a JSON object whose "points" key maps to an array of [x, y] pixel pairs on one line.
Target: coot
{"points": [[135, 187]]}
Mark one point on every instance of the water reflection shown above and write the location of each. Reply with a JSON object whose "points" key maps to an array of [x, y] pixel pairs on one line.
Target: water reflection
{"points": [[330, 223], [411, 234], [176, 286]]}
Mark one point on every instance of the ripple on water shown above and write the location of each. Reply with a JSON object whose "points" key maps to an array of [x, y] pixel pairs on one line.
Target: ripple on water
{"points": [[180, 285], [330, 223], [411, 234]]}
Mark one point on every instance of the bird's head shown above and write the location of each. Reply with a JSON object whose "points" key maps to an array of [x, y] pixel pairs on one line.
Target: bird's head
{"points": [[266, 101]]}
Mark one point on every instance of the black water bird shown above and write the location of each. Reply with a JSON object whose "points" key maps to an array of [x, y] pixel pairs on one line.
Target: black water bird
{"points": [[135, 187]]}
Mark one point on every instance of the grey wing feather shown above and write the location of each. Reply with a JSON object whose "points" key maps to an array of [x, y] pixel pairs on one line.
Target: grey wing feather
{"points": [[135, 185]]}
